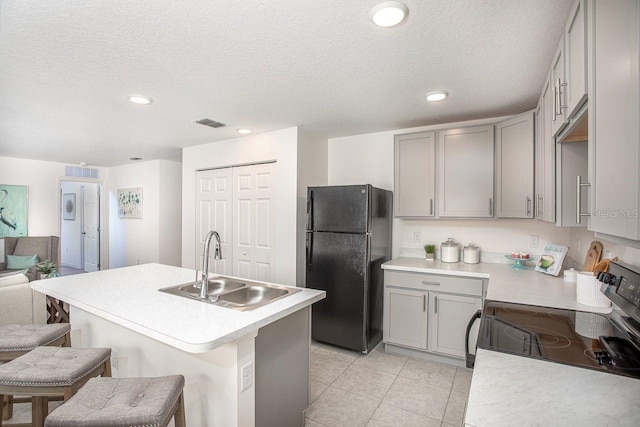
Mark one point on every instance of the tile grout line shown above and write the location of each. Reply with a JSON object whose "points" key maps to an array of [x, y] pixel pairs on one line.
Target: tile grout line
{"points": [[387, 392]]}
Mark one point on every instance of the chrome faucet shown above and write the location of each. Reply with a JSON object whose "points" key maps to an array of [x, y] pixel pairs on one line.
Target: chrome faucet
{"points": [[204, 279]]}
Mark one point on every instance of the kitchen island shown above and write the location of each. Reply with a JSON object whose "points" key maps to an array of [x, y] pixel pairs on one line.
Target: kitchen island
{"points": [[509, 390], [234, 362]]}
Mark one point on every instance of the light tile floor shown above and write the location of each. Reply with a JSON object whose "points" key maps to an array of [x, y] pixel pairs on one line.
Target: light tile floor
{"points": [[383, 389]]}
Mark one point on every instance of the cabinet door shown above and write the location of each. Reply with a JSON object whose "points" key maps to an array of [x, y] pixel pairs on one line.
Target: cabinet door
{"points": [[559, 88], [575, 39], [613, 118], [545, 203], [514, 167], [405, 317], [465, 174], [415, 173], [448, 319]]}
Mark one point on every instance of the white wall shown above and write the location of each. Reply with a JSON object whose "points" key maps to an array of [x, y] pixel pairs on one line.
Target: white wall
{"points": [[43, 180], [368, 159], [70, 237], [170, 212], [581, 238], [312, 170], [280, 146], [139, 241]]}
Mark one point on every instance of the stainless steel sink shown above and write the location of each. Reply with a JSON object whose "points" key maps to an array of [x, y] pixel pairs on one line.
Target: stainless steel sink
{"points": [[253, 295], [233, 293], [216, 287]]}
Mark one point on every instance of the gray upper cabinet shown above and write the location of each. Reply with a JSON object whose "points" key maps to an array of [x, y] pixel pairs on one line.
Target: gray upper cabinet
{"points": [[514, 167], [574, 94], [614, 103], [414, 183], [545, 172], [559, 117], [465, 173]]}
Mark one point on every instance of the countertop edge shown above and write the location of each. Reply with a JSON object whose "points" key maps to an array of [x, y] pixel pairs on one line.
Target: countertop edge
{"points": [[170, 340]]}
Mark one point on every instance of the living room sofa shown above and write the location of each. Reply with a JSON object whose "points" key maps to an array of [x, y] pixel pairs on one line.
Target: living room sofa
{"points": [[19, 303], [46, 247]]}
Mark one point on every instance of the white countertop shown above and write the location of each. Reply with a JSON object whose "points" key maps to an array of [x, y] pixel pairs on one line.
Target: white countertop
{"points": [[129, 297], [505, 283], [509, 390]]}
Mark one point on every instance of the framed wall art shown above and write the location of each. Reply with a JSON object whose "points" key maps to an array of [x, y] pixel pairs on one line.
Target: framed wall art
{"points": [[130, 203], [13, 210], [69, 207]]}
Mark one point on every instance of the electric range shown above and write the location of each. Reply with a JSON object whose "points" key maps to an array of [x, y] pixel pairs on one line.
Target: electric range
{"points": [[605, 342]]}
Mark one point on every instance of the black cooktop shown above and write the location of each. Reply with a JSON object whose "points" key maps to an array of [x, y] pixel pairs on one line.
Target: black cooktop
{"points": [[589, 340]]}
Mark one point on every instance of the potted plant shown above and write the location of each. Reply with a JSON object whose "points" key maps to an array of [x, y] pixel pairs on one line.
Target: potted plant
{"points": [[47, 269], [430, 251]]}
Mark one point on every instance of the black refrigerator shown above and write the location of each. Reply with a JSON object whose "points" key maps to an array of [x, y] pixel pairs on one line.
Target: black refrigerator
{"points": [[348, 239]]}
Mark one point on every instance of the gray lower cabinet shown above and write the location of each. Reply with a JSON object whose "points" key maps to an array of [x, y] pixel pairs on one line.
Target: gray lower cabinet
{"points": [[429, 312], [448, 320], [405, 317]]}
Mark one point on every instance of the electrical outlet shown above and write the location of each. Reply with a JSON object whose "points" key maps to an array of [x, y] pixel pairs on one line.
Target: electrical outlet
{"points": [[114, 359], [607, 255], [417, 238], [246, 372], [533, 241]]}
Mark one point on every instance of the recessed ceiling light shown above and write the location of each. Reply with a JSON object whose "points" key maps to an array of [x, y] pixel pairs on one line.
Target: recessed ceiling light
{"points": [[140, 99], [244, 131], [437, 95], [389, 13]]}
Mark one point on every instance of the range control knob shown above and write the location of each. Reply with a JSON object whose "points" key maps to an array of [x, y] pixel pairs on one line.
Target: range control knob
{"points": [[602, 357]]}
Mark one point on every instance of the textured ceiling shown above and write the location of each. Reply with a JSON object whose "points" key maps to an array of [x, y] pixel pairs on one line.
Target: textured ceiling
{"points": [[67, 67]]}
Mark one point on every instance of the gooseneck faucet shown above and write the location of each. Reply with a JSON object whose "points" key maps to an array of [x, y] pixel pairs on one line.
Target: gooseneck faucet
{"points": [[204, 280]]}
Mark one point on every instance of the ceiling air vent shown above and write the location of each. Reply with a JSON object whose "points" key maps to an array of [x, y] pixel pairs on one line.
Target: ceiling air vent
{"points": [[210, 123]]}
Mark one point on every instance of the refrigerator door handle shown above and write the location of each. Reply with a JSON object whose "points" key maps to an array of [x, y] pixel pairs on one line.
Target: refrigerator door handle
{"points": [[309, 244], [470, 358], [310, 211]]}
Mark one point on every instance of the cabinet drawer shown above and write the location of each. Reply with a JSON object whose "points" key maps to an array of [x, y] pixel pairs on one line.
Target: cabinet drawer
{"points": [[434, 282]]}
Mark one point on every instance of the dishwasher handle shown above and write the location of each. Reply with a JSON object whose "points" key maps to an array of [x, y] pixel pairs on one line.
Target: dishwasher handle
{"points": [[470, 358]]}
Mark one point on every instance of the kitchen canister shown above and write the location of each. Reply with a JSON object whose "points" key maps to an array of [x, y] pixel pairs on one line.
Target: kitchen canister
{"points": [[450, 251], [588, 290], [471, 254]]}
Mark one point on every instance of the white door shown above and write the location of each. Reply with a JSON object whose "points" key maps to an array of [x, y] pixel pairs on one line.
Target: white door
{"points": [[91, 227], [214, 212], [254, 222]]}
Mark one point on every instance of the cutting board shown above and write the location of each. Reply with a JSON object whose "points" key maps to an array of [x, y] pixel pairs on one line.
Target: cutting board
{"points": [[593, 256]]}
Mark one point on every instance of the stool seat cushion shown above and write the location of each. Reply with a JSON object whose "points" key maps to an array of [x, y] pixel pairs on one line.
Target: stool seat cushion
{"points": [[27, 337], [52, 366], [120, 402]]}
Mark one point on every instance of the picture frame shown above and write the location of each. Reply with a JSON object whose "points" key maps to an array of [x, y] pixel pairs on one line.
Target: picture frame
{"points": [[130, 203], [69, 207], [14, 209]]}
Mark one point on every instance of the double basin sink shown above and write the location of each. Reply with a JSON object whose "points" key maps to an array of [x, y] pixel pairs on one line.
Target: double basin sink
{"points": [[233, 293]]}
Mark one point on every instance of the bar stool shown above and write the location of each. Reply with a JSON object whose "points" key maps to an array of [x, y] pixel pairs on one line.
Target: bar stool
{"points": [[123, 402], [47, 372], [16, 340]]}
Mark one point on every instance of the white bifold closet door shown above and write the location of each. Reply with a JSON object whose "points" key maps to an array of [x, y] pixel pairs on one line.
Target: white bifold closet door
{"points": [[238, 203], [254, 222]]}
